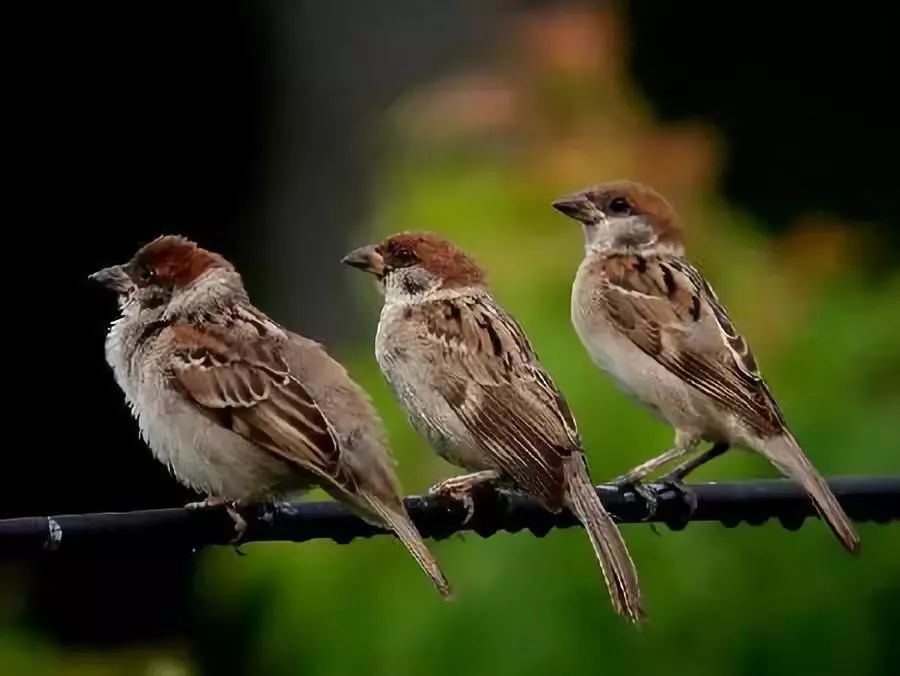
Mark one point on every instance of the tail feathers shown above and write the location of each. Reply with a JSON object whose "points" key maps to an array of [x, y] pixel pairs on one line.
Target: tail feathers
{"points": [[399, 522], [787, 456], [615, 562]]}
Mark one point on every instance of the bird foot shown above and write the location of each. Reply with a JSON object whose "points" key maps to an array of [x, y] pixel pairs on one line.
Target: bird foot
{"points": [[674, 483], [461, 489], [231, 507], [626, 483]]}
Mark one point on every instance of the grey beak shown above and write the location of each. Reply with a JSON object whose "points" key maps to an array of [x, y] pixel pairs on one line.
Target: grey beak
{"points": [[577, 207], [367, 259], [114, 277]]}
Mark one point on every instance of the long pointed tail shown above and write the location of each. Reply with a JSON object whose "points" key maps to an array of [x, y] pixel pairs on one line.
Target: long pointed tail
{"points": [[609, 546], [399, 522], [787, 456]]}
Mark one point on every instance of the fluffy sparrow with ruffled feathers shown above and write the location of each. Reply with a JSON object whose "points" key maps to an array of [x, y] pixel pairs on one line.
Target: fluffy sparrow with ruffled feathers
{"points": [[239, 408], [651, 321], [473, 387]]}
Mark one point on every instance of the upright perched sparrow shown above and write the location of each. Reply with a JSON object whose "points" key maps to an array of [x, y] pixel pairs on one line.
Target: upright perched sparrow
{"points": [[473, 387], [653, 323], [239, 408]]}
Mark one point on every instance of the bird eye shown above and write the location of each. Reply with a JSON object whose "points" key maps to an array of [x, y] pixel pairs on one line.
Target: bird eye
{"points": [[403, 258], [146, 274], [620, 206]]}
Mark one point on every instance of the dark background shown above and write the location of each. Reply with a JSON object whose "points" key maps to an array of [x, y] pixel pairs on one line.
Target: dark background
{"points": [[186, 118]]}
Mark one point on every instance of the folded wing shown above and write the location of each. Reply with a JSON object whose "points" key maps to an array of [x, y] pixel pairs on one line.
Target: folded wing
{"points": [[491, 379], [666, 308]]}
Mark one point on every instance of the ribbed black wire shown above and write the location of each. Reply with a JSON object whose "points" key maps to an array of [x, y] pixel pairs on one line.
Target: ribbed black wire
{"points": [[874, 499]]}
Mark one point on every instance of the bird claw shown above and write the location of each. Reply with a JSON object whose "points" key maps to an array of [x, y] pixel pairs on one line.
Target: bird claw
{"points": [[646, 494], [240, 526], [231, 508], [674, 483], [206, 503], [457, 490]]}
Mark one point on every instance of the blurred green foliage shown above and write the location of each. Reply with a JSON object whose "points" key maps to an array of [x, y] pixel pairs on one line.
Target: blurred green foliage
{"points": [[744, 601]]}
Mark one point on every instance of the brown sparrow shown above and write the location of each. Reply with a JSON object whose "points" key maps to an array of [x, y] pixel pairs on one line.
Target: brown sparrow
{"points": [[239, 408], [653, 323], [473, 387]]}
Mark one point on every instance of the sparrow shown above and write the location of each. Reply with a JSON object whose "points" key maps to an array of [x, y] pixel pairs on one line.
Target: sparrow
{"points": [[473, 387], [239, 408], [650, 320]]}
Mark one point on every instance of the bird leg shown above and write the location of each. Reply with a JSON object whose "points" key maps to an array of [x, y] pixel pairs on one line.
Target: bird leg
{"points": [[675, 478], [636, 475], [681, 471], [461, 488], [684, 444]]}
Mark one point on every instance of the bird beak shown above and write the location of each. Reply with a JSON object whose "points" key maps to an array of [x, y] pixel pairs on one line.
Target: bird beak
{"points": [[367, 259], [114, 277], [578, 207]]}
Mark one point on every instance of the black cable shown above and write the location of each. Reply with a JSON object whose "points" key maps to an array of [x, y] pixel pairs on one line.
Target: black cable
{"points": [[754, 502]]}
